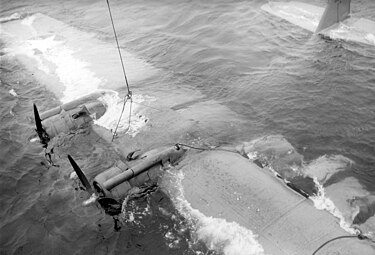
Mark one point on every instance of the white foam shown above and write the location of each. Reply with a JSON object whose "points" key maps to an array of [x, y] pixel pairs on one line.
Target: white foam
{"points": [[72, 72], [78, 80], [321, 202], [370, 38], [321, 169], [54, 57], [14, 16], [73, 175], [90, 200], [252, 155], [341, 32], [131, 212], [35, 139], [13, 93], [26, 50], [349, 32], [218, 234], [325, 166], [28, 21], [114, 108]]}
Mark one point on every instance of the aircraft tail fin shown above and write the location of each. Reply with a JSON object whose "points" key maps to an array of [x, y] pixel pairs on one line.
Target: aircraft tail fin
{"points": [[336, 11]]}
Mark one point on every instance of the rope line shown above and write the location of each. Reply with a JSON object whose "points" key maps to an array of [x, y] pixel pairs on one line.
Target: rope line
{"points": [[333, 239], [129, 94], [130, 111], [206, 149], [118, 48], [359, 236], [122, 111]]}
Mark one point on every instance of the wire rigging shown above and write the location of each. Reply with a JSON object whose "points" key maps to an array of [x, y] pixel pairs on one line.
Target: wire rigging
{"points": [[118, 48], [129, 94], [206, 148], [359, 236], [127, 97]]}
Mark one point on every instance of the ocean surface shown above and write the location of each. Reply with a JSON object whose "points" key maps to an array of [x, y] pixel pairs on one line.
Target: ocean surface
{"points": [[272, 79]]}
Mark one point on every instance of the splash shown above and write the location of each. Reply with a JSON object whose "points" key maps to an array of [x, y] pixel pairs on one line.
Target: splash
{"points": [[322, 202], [325, 166], [13, 93], [353, 31], [132, 119], [92, 199], [35, 139], [218, 234], [68, 72], [273, 149], [370, 38], [73, 73], [14, 16]]}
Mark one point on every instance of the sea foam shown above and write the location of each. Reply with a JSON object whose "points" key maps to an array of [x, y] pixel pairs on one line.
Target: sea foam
{"points": [[54, 57], [218, 234], [322, 202]]}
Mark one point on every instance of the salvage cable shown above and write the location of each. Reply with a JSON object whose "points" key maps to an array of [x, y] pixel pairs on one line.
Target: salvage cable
{"points": [[129, 94], [360, 236], [127, 97], [118, 48], [205, 149]]}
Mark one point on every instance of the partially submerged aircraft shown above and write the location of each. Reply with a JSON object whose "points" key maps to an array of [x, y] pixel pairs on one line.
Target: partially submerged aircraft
{"points": [[334, 21], [219, 182], [285, 221]]}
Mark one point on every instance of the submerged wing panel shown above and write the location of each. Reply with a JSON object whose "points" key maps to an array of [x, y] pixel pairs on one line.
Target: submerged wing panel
{"points": [[225, 185], [303, 15]]}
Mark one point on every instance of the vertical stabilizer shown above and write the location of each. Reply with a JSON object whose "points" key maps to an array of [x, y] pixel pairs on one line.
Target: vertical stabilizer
{"points": [[335, 12]]}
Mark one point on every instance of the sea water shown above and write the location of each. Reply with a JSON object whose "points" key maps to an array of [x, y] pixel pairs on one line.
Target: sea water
{"points": [[271, 77]]}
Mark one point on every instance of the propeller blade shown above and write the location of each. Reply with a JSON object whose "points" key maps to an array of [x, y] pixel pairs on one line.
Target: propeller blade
{"points": [[43, 136], [38, 121], [81, 175]]}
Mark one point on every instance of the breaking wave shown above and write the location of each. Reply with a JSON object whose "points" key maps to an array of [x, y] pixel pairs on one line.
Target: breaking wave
{"points": [[281, 158], [14, 16], [325, 166], [322, 202], [132, 120], [54, 57], [218, 234]]}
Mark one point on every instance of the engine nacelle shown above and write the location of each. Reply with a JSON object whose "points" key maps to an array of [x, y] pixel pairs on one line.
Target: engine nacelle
{"points": [[119, 179], [73, 115]]}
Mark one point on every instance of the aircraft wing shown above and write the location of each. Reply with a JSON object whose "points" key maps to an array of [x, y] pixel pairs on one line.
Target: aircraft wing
{"points": [[333, 21], [301, 14]]}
